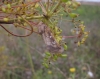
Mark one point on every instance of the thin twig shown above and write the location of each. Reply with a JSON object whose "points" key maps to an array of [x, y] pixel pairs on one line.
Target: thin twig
{"points": [[16, 34], [43, 8]]}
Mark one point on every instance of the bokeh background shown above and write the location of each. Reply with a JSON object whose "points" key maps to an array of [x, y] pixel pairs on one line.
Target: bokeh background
{"points": [[21, 58]]}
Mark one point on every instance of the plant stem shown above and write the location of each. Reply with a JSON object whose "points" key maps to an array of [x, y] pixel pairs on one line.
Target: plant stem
{"points": [[30, 60], [43, 8], [10, 21], [55, 8]]}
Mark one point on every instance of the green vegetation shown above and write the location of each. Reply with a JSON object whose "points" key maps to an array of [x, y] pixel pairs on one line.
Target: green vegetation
{"points": [[22, 58], [90, 12]]}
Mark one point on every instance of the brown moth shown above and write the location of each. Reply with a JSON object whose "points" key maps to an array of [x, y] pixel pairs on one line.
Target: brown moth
{"points": [[49, 39]]}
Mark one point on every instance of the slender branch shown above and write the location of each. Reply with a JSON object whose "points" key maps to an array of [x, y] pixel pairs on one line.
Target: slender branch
{"points": [[56, 7], [27, 23], [11, 21], [29, 3], [47, 5], [43, 8], [16, 34], [69, 36], [27, 29]]}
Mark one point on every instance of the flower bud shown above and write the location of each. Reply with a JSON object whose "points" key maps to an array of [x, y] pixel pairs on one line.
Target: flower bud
{"points": [[6, 19]]}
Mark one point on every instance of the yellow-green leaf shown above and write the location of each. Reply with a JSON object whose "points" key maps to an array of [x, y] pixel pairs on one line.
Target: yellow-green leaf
{"points": [[73, 15]]}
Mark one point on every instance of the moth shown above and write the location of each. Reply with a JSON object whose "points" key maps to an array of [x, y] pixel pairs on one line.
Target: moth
{"points": [[48, 37]]}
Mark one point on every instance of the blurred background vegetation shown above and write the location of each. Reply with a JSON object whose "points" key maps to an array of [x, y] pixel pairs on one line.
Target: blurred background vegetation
{"points": [[21, 58]]}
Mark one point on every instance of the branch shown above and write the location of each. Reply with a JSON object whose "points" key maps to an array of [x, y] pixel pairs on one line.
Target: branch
{"points": [[16, 34], [11, 21], [56, 7], [43, 8]]}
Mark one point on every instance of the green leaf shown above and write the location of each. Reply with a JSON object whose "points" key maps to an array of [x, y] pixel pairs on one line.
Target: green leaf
{"points": [[9, 6], [65, 47], [64, 55], [68, 3], [73, 15], [46, 65], [47, 53], [55, 57], [3, 9]]}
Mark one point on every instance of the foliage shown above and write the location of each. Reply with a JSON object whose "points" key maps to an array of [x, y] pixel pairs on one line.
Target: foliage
{"points": [[45, 17], [84, 59]]}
